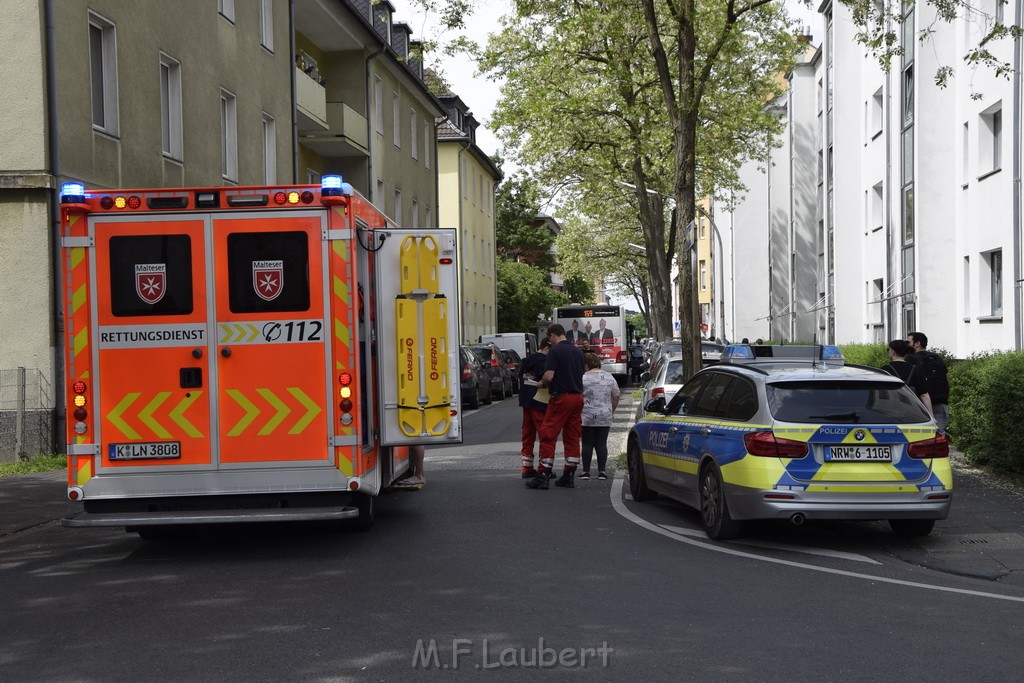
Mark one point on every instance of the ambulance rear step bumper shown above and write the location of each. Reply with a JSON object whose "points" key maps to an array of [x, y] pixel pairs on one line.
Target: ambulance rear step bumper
{"points": [[163, 518]]}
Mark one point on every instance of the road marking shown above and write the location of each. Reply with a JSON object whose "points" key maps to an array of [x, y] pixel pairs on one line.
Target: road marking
{"points": [[771, 545], [620, 507]]}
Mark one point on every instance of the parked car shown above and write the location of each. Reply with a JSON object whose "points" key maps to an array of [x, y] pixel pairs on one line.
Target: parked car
{"points": [[501, 376], [513, 360], [476, 382], [665, 380], [710, 353], [672, 349], [791, 432]]}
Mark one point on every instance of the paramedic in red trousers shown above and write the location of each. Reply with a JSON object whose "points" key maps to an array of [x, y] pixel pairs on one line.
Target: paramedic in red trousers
{"points": [[531, 370], [563, 377]]}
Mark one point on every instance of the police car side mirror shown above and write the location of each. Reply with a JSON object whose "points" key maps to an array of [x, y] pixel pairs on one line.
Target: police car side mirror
{"points": [[655, 405]]}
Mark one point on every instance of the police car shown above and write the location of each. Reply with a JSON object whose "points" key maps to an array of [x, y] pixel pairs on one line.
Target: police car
{"points": [[792, 432]]}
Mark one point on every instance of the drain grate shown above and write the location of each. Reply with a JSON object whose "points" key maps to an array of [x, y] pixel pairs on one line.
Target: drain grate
{"points": [[992, 541]]}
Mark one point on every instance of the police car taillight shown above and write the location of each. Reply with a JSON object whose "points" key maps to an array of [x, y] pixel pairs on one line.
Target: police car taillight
{"points": [[937, 447], [765, 444], [657, 391]]}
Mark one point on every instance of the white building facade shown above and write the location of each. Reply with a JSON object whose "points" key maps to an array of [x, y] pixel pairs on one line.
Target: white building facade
{"points": [[890, 205]]}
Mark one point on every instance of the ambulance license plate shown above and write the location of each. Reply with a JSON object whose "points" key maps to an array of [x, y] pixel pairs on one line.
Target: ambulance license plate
{"points": [[144, 451], [858, 453]]}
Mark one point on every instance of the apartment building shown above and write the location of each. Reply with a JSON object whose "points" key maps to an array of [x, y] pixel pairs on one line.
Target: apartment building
{"points": [[901, 198], [209, 92], [467, 179]]}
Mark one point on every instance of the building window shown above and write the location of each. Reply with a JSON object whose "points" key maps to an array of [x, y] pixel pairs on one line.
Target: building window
{"points": [[965, 156], [103, 72], [378, 104], [465, 177], [703, 275], [170, 107], [994, 261], [426, 145], [875, 296], [967, 287], [414, 132], [267, 24], [875, 114], [990, 142], [229, 136], [877, 204], [378, 198], [312, 176], [398, 208], [426, 220], [396, 118], [415, 214], [269, 149], [227, 9]]}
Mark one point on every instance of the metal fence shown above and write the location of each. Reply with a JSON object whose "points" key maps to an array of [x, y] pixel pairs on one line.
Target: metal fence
{"points": [[26, 414]]}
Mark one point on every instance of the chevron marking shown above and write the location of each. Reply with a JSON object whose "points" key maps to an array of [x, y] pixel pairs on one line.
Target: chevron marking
{"points": [[251, 411], [253, 332], [114, 416], [177, 415], [282, 411], [146, 415], [312, 410]]}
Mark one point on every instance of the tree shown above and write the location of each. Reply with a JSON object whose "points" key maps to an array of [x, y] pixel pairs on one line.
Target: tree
{"points": [[517, 233], [584, 105], [639, 325], [523, 295], [578, 289]]}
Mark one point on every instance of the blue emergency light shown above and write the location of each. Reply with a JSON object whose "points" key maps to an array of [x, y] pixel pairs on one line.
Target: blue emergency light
{"points": [[334, 186], [72, 193]]}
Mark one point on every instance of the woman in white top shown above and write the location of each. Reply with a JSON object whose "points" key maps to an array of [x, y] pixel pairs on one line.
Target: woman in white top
{"points": [[600, 399]]}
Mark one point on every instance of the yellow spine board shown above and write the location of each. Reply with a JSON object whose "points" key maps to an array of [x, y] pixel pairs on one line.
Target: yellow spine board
{"points": [[421, 325]]}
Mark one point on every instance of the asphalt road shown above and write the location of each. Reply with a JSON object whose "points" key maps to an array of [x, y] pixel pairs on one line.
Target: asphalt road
{"points": [[478, 574]]}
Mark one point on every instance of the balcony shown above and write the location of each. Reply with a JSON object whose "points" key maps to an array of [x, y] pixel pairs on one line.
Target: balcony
{"points": [[310, 103], [344, 135]]}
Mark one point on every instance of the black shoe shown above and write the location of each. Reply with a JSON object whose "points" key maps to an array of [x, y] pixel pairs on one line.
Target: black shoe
{"points": [[602, 475], [584, 474], [550, 474], [538, 482], [566, 481], [529, 474]]}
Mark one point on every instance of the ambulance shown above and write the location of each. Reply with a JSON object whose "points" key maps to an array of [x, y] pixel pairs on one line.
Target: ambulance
{"points": [[244, 354]]}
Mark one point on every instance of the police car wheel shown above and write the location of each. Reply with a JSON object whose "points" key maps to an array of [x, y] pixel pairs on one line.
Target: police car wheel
{"points": [[637, 481], [714, 508], [912, 527]]}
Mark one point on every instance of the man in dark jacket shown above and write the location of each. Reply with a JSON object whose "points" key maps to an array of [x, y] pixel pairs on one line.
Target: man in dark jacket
{"points": [[932, 371], [530, 372]]}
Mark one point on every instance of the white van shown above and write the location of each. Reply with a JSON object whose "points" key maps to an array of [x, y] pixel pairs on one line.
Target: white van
{"points": [[523, 343]]}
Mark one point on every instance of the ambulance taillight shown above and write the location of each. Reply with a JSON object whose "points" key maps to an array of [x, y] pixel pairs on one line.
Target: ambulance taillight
{"points": [[79, 401], [345, 392]]}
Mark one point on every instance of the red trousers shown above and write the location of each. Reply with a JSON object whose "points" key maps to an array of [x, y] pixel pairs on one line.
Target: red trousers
{"points": [[532, 421], [565, 415]]}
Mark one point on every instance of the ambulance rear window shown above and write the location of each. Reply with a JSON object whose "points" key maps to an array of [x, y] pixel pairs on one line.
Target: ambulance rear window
{"points": [[150, 275], [268, 272]]}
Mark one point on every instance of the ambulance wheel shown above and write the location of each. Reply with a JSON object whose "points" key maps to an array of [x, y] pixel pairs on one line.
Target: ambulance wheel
{"points": [[912, 527], [367, 506], [637, 481]]}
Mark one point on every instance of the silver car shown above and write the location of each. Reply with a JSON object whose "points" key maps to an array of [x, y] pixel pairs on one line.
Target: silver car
{"points": [[663, 380]]}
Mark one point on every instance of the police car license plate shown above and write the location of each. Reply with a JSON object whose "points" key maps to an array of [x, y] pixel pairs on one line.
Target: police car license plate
{"points": [[145, 451], [858, 453]]}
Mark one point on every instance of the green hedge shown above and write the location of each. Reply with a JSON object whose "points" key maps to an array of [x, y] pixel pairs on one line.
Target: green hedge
{"points": [[985, 403]]}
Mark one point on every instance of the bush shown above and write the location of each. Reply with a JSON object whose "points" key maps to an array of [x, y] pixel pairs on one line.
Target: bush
{"points": [[987, 411], [969, 426], [874, 355]]}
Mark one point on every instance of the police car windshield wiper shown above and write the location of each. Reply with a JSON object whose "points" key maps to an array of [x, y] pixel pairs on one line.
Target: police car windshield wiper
{"points": [[843, 417]]}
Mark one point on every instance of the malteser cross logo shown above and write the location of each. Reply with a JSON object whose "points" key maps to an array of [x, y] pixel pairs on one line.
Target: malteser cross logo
{"points": [[151, 281], [268, 279]]}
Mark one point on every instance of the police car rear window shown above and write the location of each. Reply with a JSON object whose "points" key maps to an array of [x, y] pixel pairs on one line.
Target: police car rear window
{"points": [[268, 272], [150, 275], [845, 403]]}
